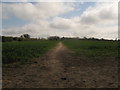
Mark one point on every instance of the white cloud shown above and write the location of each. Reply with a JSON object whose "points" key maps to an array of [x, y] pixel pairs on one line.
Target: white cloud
{"points": [[61, 23], [102, 12], [99, 21], [35, 11]]}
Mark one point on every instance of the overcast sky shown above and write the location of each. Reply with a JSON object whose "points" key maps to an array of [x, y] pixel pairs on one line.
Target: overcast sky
{"points": [[43, 19]]}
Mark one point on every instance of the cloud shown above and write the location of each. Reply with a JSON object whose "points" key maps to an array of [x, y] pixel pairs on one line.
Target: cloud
{"points": [[35, 11], [102, 12], [61, 23], [96, 21]]}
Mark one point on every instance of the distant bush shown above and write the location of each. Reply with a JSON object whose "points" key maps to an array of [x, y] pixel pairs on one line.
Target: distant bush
{"points": [[24, 37], [54, 38], [7, 39]]}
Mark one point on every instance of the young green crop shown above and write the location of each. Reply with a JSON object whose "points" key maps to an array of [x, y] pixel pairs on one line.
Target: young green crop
{"points": [[93, 48], [25, 50]]}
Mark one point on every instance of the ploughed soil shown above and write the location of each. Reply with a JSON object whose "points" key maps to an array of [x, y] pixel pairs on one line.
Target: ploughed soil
{"points": [[60, 68]]}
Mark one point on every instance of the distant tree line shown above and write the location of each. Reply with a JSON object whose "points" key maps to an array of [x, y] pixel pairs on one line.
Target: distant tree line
{"points": [[77, 38], [26, 37], [54, 38]]}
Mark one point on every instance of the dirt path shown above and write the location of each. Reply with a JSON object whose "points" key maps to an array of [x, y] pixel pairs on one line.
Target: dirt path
{"points": [[60, 69], [46, 72]]}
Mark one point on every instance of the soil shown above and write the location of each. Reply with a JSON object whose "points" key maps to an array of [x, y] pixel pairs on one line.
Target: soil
{"points": [[60, 68]]}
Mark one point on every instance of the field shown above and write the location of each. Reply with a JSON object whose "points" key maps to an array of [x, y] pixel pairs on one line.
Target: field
{"points": [[61, 64], [93, 48], [24, 51]]}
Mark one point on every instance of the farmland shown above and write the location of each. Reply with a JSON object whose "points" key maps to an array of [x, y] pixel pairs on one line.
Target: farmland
{"points": [[61, 64], [24, 51], [93, 48]]}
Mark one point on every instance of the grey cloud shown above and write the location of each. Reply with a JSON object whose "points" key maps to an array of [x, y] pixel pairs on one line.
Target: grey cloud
{"points": [[60, 26], [61, 23], [88, 20]]}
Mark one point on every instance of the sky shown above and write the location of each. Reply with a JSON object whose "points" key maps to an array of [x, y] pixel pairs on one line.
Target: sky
{"points": [[68, 19]]}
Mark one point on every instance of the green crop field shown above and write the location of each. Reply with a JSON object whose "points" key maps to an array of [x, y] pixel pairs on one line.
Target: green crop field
{"points": [[25, 50], [93, 48]]}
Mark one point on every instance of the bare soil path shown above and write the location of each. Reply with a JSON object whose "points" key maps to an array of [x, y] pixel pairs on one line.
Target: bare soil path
{"points": [[47, 71], [59, 69]]}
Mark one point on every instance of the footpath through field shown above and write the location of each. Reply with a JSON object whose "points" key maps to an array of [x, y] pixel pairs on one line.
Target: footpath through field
{"points": [[45, 72], [58, 68]]}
